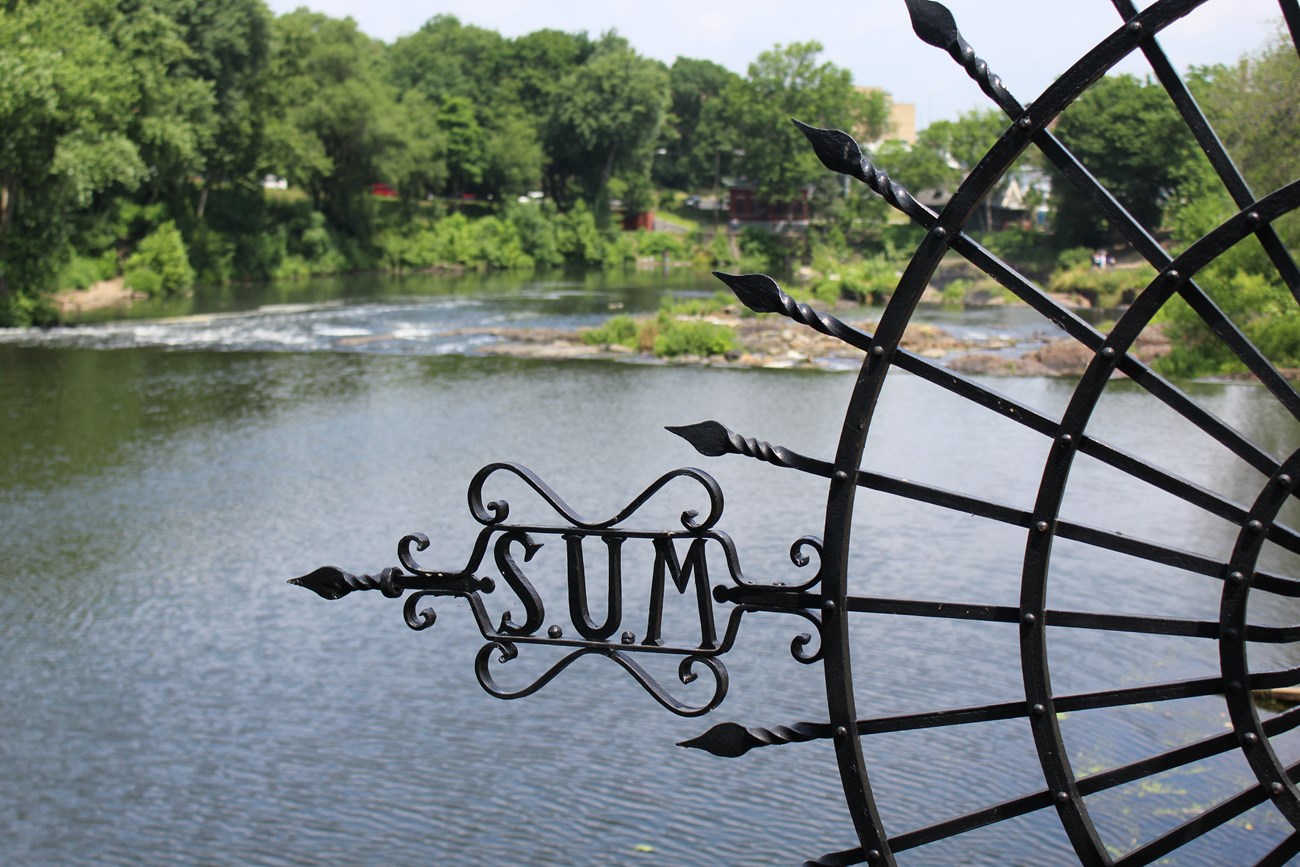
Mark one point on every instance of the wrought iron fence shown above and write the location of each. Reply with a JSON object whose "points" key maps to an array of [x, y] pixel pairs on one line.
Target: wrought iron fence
{"points": [[824, 603]]}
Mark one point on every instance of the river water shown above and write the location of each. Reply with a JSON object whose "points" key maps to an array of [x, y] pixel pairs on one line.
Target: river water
{"points": [[169, 699]]}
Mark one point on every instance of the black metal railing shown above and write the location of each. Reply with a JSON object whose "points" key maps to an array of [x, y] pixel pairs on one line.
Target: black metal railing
{"points": [[631, 629]]}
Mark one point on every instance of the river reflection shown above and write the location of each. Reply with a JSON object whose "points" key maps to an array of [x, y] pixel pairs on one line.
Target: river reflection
{"points": [[168, 699]]}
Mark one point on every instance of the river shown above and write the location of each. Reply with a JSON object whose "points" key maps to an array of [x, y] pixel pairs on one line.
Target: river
{"points": [[169, 699]]}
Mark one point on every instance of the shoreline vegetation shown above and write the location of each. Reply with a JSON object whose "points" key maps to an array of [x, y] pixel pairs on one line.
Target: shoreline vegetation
{"points": [[155, 146]]}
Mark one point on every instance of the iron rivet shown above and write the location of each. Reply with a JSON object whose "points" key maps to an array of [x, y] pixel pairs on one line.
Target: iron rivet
{"points": [[1039, 710], [1030, 618], [1284, 480], [1236, 577], [841, 476], [1234, 686], [828, 605], [1065, 439], [1277, 788], [841, 732], [873, 855], [1135, 26], [1063, 797], [1173, 276], [1231, 634], [1254, 526], [1253, 216], [1025, 122], [1250, 738], [877, 351], [629, 637], [1108, 352], [555, 632], [1042, 526], [939, 232]]}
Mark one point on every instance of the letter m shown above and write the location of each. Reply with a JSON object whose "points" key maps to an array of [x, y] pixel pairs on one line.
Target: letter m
{"points": [[666, 563]]}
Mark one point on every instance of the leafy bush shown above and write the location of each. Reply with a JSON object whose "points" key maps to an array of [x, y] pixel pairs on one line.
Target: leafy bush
{"points": [[1074, 258], [660, 243], [163, 253], [691, 337], [577, 237], [1103, 287], [1262, 308], [718, 302], [83, 271], [618, 331], [143, 279], [537, 232], [19, 310]]}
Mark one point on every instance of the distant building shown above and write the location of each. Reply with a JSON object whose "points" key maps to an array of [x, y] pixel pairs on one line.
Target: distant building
{"points": [[901, 125]]}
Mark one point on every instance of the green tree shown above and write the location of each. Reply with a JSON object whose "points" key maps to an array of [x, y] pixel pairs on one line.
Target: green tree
{"points": [[334, 117], [690, 146], [1254, 106], [754, 115], [229, 47], [476, 78], [605, 121], [66, 108], [1127, 133]]}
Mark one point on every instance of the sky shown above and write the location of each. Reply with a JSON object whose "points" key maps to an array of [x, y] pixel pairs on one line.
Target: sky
{"points": [[1027, 42]]}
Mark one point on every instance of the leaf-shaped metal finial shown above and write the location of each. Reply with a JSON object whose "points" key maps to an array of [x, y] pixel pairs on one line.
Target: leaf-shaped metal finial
{"points": [[840, 153], [837, 150], [709, 438], [933, 23], [936, 26], [731, 740], [714, 439], [758, 292], [331, 582]]}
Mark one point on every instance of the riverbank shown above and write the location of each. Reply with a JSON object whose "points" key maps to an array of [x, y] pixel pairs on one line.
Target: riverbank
{"points": [[104, 295]]}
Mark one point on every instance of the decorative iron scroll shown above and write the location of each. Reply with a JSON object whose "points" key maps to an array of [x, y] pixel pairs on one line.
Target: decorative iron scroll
{"points": [[680, 561]]}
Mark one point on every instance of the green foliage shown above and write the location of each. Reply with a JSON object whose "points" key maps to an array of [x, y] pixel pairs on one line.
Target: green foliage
{"points": [[621, 330], [1128, 134], [142, 279], [21, 310], [1105, 288], [1261, 307], [66, 109], [604, 121], [872, 279], [753, 114], [1029, 250], [161, 254], [83, 271], [691, 337], [719, 302], [662, 243], [577, 237], [1074, 258], [761, 250]]}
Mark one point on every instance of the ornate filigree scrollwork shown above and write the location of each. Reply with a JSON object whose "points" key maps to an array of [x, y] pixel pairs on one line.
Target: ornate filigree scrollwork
{"points": [[681, 561]]}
